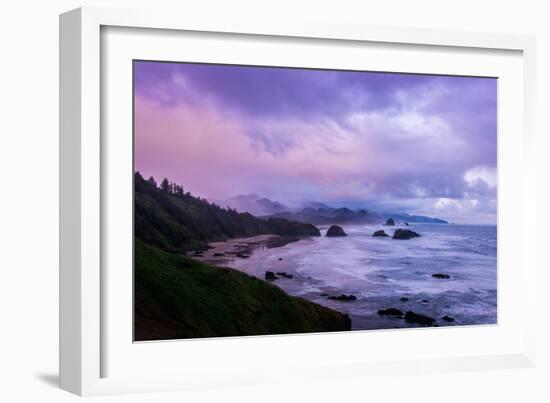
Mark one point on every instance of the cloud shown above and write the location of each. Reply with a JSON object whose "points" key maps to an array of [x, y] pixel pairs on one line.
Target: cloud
{"points": [[486, 174], [421, 144]]}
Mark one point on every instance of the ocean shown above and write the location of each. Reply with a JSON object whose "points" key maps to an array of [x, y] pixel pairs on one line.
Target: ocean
{"points": [[386, 273]]}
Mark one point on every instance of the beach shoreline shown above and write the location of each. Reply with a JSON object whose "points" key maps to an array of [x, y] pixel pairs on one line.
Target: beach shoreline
{"points": [[376, 273], [223, 252]]}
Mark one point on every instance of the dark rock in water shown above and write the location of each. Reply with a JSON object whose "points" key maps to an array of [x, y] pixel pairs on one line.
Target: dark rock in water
{"points": [[404, 299], [284, 274], [404, 234], [269, 275], [424, 301], [280, 258], [243, 256], [343, 297], [390, 312], [380, 233], [440, 275], [335, 230], [413, 317], [390, 221], [324, 295], [406, 223], [448, 318], [218, 254]]}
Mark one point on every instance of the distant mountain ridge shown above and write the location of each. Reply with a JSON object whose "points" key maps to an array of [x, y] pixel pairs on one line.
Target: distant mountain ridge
{"points": [[253, 204], [317, 213], [317, 205], [329, 215], [345, 215], [416, 218]]}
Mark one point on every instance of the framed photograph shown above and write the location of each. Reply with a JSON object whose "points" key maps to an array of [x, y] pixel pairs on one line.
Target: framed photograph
{"points": [[248, 201]]}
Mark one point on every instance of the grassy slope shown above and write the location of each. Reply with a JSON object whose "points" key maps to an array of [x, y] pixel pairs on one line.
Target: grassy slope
{"points": [[178, 297]]}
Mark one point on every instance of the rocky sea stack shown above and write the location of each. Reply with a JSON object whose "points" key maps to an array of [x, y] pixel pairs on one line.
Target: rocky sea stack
{"points": [[380, 233], [390, 221], [336, 230], [404, 234], [414, 317]]}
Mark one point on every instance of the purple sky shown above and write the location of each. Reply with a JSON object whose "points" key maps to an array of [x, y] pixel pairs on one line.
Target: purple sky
{"points": [[411, 143]]}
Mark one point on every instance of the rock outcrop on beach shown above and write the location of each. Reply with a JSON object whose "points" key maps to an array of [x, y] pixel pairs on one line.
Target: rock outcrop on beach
{"points": [[414, 317], [343, 297], [390, 222], [335, 230], [390, 312], [448, 318], [280, 226], [270, 276], [404, 234], [177, 297], [441, 276], [381, 233]]}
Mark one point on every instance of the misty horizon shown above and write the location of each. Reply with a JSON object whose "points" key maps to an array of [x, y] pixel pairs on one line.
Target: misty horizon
{"points": [[385, 142], [316, 204]]}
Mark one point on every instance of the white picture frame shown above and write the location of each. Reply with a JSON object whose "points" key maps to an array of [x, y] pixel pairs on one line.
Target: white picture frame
{"points": [[84, 172]]}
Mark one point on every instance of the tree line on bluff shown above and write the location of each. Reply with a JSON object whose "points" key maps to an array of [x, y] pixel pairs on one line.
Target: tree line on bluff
{"points": [[170, 218]]}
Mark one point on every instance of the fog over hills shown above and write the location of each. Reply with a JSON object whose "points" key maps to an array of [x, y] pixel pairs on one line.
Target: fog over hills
{"points": [[315, 212], [253, 204]]}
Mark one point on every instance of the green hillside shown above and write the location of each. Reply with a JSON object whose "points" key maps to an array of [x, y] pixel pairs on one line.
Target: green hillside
{"points": [[178, 297], [174, 220]]}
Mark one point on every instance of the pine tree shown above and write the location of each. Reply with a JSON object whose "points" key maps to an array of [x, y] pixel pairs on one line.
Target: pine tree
{"points": [[165, 185]]}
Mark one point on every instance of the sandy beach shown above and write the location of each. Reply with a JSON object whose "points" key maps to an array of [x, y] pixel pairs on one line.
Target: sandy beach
{"points": [[224, 252]]}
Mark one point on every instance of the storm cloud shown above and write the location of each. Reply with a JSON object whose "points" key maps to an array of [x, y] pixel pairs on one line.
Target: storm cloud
{"points": [[420, 144]]}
